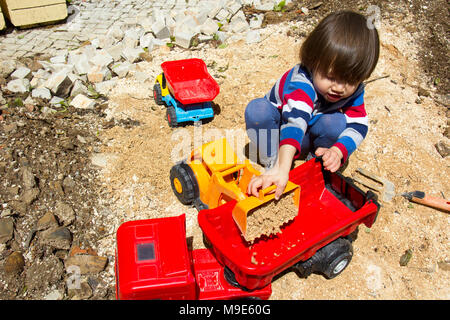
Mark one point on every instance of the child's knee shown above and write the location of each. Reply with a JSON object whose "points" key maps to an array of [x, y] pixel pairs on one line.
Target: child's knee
{"points": [[258, 113], [330, 125]]}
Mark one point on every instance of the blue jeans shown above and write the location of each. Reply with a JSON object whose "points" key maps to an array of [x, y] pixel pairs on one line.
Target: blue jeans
{"points": [[263, 122]]}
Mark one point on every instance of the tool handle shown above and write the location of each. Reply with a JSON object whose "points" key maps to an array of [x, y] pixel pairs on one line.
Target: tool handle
{"points": [[263, 192], [434, 202]]}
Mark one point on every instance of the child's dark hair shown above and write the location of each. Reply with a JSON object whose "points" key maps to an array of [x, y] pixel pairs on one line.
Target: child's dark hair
{"points": [[343, 44]]}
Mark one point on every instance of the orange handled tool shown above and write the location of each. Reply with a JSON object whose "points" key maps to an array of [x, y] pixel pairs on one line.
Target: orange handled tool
{"points": [[422, 198]]}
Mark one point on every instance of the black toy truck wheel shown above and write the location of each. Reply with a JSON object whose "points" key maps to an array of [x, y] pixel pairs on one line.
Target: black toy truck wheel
{"points": [[184, 184], [330, 260], [338, 255], [157, 95], [171, 116]]}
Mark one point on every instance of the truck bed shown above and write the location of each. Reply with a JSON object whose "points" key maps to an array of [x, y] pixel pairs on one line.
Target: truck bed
{"points": [[329, 208], [189, 81]]}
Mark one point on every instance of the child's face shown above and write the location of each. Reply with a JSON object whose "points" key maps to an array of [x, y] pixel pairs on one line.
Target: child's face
{"points": [[331, 88]]}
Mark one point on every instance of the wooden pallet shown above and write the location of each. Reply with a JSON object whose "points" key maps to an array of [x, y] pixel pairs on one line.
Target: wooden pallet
{"points": [[24, 13]]}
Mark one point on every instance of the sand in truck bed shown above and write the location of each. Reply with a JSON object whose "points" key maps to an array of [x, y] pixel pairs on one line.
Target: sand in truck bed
{"points": [[268, 219]]}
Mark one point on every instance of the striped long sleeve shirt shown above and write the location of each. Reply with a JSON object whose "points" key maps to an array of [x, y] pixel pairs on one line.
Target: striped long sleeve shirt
{"points": [[295, 95]]}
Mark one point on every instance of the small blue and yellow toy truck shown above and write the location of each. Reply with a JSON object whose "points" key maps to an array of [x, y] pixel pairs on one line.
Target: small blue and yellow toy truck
{"points": [[187, 89]]}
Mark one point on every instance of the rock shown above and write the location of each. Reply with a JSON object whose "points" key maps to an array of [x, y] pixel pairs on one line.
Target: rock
{"points": [[78, 88], [54, 295], [47, 221], [65, 213], [56, 100], [102, 58], [6, 68], [88, 264], [19, 86], [183, 38], [121, 69], [28, 178], [131, 54], [29, 196], [19, 206], [256, 21], [160, 30], [82, 102], [59, 238], [6, 229], [84, 291], [105, 87], [68, 184], [443, 148], [58, 59], [146, 41], [423, 92], [20, 73], [42, 93], [59, 84], [209, 27], [14, 263], [131, 38], [97, 74], [115, 51], [115, 32], [43, 274], [80, 63]]}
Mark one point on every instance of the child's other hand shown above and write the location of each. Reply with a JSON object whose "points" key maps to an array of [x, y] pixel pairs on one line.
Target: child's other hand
{"points": [[272, 176], [331, 157]]}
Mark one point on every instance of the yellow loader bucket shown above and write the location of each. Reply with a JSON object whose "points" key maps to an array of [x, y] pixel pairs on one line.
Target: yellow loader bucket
{"points": [[243, 207]]}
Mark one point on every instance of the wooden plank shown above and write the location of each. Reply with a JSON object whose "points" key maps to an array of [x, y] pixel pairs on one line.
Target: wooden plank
{"points": [[2, 20], [23, 4], [35, 15]]}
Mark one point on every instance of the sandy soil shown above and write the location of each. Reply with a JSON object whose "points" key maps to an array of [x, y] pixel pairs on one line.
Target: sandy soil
{"points": [[399, 147]]}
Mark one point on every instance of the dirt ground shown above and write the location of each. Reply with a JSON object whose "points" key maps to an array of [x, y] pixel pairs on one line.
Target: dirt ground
{"points": [[407, 104], [404, 128]]}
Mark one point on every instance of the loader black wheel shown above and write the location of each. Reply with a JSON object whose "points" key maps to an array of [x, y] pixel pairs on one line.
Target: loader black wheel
{"points": [[184, 184], [171, 116], [157, 95], [338, 255]]}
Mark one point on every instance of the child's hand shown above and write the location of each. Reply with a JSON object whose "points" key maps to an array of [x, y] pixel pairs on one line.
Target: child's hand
{"points": [[331, 158], [273, 176]]}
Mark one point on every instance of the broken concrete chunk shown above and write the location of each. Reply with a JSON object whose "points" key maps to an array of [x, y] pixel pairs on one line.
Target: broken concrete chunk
{"points": [[78, 88], [132, 54], [20, 73], [102, 58], [28, 178], [42, 93], [87, 264], [65, 213], [59, 83], [160, 30], [82, 102], [59, 238], [47, 221], [121, 69], [19, 86]]}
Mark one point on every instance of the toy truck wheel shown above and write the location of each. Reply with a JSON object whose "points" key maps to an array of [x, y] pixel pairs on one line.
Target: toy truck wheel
{"points": [[338, 255], [157, 95], [183, 183], [171, 116]]}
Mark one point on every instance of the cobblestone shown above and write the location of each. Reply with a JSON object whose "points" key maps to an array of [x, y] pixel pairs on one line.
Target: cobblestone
{"points": [[87, 20]]}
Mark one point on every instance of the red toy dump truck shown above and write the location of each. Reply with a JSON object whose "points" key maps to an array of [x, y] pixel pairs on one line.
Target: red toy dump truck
{"points": [[153, 261]]}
